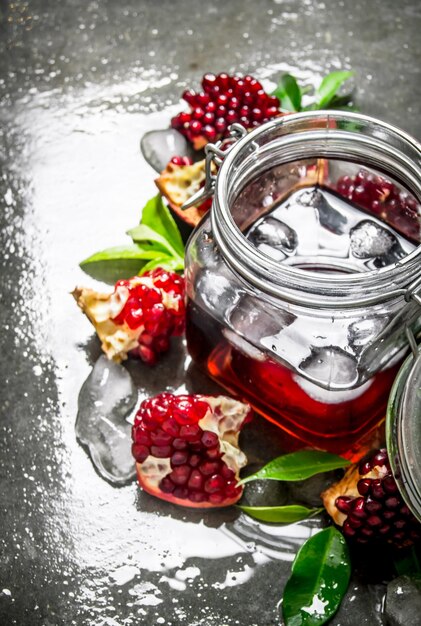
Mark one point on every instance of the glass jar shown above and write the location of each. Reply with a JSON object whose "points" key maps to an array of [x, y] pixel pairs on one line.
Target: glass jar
{"points": [[403, 431], [303, 280]]}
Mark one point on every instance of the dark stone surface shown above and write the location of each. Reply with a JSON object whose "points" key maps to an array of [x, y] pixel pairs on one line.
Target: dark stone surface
{"points": [[80, 82]]}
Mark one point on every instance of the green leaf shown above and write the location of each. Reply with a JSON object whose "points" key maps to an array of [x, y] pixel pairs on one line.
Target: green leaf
{"points": [[157, 216], [319, 579], [298, 466], [145, 234], [289, 93], [166, 262], [118, 262], [280, 514], [329, 86]]}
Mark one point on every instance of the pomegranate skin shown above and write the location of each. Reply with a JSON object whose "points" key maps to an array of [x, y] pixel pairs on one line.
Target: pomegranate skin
{"points": [[186, 448]]}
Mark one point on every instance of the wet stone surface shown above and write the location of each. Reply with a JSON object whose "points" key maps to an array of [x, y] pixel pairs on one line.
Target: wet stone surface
{"points": [[80, 83]]}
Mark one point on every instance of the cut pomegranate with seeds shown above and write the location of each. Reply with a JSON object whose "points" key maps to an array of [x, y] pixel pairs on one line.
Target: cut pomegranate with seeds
{"points": [[382, 198], [233, 98], [367, 505], [179, 470], [139, 317]]}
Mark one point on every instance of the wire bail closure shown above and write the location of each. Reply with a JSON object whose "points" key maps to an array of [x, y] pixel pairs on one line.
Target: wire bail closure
{"points": [[214, 154]]}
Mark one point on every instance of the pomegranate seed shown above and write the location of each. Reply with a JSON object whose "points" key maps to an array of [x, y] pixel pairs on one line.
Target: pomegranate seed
{"points": [[231, 116], [171, 427], [191, 433], [257, 114], [213, 453], [209, 439], [195, 127], [198, 113], [195, 480], [140, 452], [177, 160], [214, 483], [166, 485], [209, 467], [160, 438], [161, 451], [208, 118], [197, 496], [372, 506], [223, 80], [208, 82], [363, 486], [209, 132], [358, 508], [203, 99], [211, 107], [216, 498], [179, 444], [189, 96], [195, 460], [179, 458], [180, 474], [181, 492]]}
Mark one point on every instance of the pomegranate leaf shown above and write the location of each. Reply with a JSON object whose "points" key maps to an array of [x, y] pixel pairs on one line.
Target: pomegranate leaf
{"points": [[319, 579], [289, 93], [287, 514], [298, 466], [329, 87], [166, 262], [118, 262], [157, 216], [145, 234]]}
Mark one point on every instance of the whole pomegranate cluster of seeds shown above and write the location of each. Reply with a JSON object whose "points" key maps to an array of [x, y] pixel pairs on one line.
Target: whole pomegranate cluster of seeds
{"points": [[166, 427], [224, 100], [382, 198], [379, 512], [156, 305]]}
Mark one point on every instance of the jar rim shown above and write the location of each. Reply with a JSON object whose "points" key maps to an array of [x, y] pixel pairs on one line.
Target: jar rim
{"points": [[302, 286]]}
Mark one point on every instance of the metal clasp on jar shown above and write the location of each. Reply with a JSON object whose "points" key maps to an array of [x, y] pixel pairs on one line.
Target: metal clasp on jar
{"points": [[215, 154]]}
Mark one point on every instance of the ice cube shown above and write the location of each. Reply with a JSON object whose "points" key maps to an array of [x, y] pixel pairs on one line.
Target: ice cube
{"points": [[256, 319], [275, 234], [106, 398], [403, 601], [159, 146], [331, 367], [368, 239], [363, 332], [216, 289]]}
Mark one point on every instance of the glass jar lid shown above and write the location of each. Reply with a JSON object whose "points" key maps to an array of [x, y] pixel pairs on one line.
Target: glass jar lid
{"points": [[403, 431]]}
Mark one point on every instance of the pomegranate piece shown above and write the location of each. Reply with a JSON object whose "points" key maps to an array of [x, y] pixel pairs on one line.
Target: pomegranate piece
{"points": [[383, 199], [180, 180], [186, 448], [222, 101], [368, 507], [139, 316]]}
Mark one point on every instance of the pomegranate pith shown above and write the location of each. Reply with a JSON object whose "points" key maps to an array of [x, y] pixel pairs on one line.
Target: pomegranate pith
{"points": [[224, 100], [139, 317], [186, 448], [368, 506]]}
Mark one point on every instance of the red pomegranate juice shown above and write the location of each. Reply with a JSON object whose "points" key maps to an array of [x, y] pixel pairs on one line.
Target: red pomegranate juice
{"points": [[338, 421]]}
